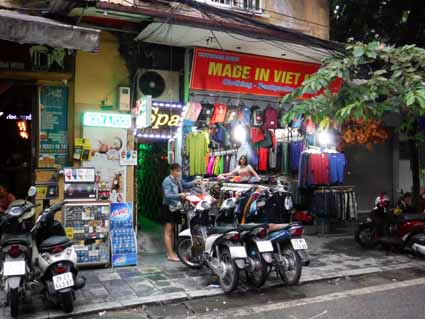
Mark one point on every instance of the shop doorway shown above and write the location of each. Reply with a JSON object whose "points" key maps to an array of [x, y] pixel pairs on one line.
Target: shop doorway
{"points": [[18, 102], [151, 170]]}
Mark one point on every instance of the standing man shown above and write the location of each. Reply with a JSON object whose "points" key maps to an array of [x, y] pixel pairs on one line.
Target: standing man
{"points": [[172, 187]]}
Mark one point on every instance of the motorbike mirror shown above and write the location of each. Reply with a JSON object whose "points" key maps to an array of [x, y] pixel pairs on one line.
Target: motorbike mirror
{"points": [[32, 191]]}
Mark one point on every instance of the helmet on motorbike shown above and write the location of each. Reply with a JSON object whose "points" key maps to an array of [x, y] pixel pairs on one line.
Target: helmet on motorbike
{"points": [[382, 201]]}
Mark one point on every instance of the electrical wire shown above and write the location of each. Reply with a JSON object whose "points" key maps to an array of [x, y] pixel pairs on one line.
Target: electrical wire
{"points": [[296, 18]]}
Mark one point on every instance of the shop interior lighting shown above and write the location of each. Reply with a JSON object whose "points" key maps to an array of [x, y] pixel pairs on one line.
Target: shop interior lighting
{"points": [[239, 134], [169, 105], [324, 138], [154, 136]]}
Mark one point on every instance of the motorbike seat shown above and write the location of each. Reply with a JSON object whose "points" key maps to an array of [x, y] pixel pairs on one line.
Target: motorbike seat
{"points": [[54, 241], [11, 239], [220, 230], [249, 227], [411, 217]]}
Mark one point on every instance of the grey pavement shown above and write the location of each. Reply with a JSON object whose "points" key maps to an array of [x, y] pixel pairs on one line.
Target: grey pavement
{"points": [[157, 280]]}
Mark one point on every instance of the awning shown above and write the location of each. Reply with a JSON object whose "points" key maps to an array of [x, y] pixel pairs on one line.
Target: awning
{"points": [[190, 36], [24, 28]]}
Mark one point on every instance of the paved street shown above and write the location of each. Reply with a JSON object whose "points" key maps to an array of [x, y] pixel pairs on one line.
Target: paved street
{"points": [[386, 295], [156, 280]]}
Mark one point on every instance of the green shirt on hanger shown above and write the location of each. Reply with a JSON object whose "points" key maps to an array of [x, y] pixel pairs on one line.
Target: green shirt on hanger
{"points": [[197, 147]]}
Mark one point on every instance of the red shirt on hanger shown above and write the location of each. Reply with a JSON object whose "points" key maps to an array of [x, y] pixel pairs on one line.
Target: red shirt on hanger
{"points": [[263, 154], [257, 135], [319, 167], [219, 114]]}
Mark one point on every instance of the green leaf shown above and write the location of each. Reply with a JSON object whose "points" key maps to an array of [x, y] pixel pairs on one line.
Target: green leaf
{"points": [[409, 98], [358, 52]]}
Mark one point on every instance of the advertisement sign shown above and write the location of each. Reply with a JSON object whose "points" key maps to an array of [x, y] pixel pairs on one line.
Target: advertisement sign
{"points": [[232, 72], [79, 175], [46, 180], [128, 158], [106, 147], [144, 111], [54, 145], [123, 239]]}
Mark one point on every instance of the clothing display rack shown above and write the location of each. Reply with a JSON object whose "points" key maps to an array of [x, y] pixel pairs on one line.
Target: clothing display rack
{"points": [[226, 152]]}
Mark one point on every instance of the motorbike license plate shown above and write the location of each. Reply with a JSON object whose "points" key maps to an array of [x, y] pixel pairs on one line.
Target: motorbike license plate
{"points": [[299, 243], [264, 246], [14, 268], [238, 252], [63, 281]]}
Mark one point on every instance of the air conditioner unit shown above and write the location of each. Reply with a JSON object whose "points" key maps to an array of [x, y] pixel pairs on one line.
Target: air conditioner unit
{"points": [[162, 85]]}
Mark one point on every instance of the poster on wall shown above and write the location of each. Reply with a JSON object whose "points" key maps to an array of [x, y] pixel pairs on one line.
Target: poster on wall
{"points": [[107, 143], [128, 158], [123, 239], [54, 145]]}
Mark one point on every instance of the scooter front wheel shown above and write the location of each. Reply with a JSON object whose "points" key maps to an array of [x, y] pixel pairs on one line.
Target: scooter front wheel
{"points": [[184, 251], [229, 278]]}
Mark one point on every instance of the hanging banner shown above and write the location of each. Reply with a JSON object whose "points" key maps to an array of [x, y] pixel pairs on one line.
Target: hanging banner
{"points": [[54, 145], [232, 72]]}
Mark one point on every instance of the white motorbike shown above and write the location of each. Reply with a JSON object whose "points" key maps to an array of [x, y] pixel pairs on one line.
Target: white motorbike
{"points": [[15, 250], [56, 259], [219, 248]]}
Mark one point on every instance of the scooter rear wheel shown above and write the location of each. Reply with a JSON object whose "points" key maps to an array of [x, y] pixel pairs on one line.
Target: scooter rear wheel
{"points": [[258, 277], [67, 301], [14, 302], [290, 277], [364, 236], [184, 251]]}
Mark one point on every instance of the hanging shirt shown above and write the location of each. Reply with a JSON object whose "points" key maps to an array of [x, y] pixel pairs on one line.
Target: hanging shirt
{"points": [[257, 135], [210, 166], [319, 168], [227, 164], [206, 113], [295, 150], [233, 162], [273, 157], [270, 118], [257, 117], [170, 151], [221, 165], [216, 169], [245, 115], [219, 114], [262, 158], [337, 164], [197, 147], [193, 111], [232, 115], [285, 158]]}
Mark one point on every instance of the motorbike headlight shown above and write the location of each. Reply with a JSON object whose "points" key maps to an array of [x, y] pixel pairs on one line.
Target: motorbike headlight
{"points": [[15, 211]]}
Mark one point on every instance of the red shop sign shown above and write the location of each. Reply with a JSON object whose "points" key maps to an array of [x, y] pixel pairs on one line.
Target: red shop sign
{"points": [[231, 72]]}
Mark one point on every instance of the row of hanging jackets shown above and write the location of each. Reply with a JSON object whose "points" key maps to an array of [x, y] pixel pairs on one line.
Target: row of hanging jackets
{"points": [[321, 168], [339, 204]]}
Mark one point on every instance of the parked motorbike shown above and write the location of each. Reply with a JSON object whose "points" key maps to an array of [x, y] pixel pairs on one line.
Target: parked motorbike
{"points": [[289, 248], [219, 248], [56, 259], [15, 250], [384, 227]]}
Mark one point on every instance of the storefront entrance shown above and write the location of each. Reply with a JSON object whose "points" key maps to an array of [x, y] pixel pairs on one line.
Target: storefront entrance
{"points": [[151, 170], [17, 105]]}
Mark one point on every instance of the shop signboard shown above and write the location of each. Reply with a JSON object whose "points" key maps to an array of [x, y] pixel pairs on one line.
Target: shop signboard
{"points": [[123, 239], [234, 72], [54, 145], [144, 111], [116, 120]]}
